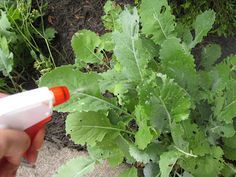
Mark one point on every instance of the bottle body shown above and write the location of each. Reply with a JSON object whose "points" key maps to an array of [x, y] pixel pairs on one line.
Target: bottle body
{"points": [[24, 110]]}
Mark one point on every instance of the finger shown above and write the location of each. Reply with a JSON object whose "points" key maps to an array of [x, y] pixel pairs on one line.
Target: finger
{"points": [[7, 169], [38, 139], [13, 144], [2, 95], [37, 142]]}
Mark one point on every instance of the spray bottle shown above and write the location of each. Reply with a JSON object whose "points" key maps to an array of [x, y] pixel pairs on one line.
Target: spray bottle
{"points": [[29, 111]]}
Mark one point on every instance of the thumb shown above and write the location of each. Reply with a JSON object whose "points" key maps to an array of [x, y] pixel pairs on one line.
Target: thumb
{"points": [[2, 95], [13, 144]]}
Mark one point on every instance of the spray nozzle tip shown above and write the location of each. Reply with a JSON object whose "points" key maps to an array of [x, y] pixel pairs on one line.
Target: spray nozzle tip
{"points": [[61, 94]]}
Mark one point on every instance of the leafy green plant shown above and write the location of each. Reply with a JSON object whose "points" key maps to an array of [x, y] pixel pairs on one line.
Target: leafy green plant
{"points": [[225, 23], [18, 36], [186, 12], [151, 107]]}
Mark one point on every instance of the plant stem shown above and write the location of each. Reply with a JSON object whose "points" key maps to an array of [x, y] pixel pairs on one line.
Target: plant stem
{"points": [[186, 153], [107, 128], [232, 168], [106, 102], [47, 44]]}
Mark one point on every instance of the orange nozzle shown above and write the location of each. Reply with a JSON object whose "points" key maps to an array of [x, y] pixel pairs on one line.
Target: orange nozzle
{"points": [[61, 95]]}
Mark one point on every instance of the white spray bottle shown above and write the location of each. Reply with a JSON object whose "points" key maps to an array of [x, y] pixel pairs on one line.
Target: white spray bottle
{"points": [[29, 111]]}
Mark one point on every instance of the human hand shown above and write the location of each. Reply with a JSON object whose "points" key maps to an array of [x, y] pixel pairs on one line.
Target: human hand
{"points": [[13, 144], [16, 144]]}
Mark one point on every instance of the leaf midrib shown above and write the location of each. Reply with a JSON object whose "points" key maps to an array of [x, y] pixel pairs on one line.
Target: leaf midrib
{"points": [[166, 110], [157, 19], [81, 171], [103, 127], [106, 102], [136, 58]]}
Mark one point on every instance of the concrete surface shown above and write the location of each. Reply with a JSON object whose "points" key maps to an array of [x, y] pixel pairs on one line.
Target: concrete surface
{"points": [[51, 158]]}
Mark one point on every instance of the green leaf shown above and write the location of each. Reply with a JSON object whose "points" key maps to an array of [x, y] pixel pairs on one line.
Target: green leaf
{"points": [[114, 156], [192, 139], [118, 88], [230, 148], [151, 170], [108, 150], [187, 174], [132, 172], [225, 105], [230, 142], [139, 156], [107, 41], [231, 61], [14, 13], [183, 32], [229, 153], [122, 88], [144, 136], [210, 54], [229, 170], [165, 101], [76, 167], [6, 57], [222, 129], [145, 156], [112, 12], [202, 26], [124, 145], [214, 83], [132, 55], [84, 89], [157, 20], [167, 162], [50, 33], [86, 45], [5, 25], [178, 135], [178, 63], [152, 107], [202, 166], [89, 127]]}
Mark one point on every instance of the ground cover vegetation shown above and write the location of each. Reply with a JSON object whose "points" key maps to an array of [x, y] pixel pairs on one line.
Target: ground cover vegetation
{"points": [[186, 11], [24, 43], [225, 23], [151, 105]]}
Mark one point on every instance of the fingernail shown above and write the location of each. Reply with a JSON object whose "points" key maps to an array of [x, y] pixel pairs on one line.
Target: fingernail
{"points": [[33, 157], [27, 164]]}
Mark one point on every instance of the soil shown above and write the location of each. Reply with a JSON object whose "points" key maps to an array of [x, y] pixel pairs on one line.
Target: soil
{"points": [[56, 133], [227, 46], [69, 16]]}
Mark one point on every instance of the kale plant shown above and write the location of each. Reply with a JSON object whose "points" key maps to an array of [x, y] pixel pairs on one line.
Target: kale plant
{"points": [[151, 107]]}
